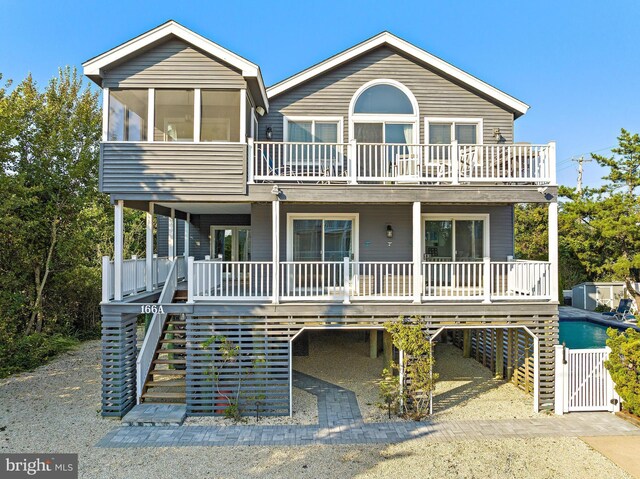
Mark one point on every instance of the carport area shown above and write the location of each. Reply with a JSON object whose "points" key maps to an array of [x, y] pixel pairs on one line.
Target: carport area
{"points": [[350, 359], [486, 373]]}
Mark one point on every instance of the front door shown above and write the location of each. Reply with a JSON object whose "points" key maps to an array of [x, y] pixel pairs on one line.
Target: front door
{"points": [[230, 243]]}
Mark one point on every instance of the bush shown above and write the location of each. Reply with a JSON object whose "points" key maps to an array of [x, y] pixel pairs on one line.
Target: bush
{"points": [[28, 352], [409, 335], [624, 366]]}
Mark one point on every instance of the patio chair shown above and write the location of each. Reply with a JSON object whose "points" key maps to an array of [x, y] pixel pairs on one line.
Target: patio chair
{"points": [[623, 311]]}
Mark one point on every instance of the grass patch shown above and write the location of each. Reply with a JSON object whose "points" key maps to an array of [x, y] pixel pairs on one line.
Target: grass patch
{"points": [[28, 352]]}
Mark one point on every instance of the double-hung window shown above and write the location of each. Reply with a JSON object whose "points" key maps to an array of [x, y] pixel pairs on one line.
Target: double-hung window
{"points": [[443, 131]]}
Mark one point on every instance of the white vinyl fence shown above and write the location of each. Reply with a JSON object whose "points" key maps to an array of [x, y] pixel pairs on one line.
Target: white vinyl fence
{"points": [[582, 381]]}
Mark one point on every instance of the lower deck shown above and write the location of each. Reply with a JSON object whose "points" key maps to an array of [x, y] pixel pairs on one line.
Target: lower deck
{"points": [[263, 337]]}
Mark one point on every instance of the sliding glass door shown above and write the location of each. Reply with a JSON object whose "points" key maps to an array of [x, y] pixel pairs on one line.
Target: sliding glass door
{"points": [[451, 239], [322, 239]]}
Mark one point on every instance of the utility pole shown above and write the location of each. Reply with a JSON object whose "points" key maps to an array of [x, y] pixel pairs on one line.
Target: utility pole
{"points": [[580, 162]]}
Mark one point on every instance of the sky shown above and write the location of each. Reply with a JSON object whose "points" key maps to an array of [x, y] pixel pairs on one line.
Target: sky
{"points": [[577, 63]]}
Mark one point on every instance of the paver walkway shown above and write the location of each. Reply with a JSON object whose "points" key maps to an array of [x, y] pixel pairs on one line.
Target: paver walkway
{"points": [[337, 406], [570, 425]]}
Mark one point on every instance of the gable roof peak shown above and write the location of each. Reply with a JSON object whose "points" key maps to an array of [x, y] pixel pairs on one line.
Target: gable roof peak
{"points": [[387, 38]]}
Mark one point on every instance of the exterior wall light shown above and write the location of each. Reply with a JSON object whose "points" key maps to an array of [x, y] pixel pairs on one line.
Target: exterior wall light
{"points": [[497, 134], [269, 133], [389, 232]]}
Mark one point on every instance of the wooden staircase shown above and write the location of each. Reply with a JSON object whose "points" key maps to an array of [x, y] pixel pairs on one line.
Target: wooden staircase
{"points": [[166, 382]]}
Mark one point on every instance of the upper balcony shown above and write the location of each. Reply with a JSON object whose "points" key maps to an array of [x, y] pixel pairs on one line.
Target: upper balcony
{"points": [[393, 163]]}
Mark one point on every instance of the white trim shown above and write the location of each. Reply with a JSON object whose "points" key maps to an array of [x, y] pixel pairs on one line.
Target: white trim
{"points": [[149, 246], [412, 51], [313, 119], [151, 115], [466, 121], [383, 117], [355, 217], [197, 114], [253, 121], [96, 65], [486, 235], [105, 114], [243, 114]]}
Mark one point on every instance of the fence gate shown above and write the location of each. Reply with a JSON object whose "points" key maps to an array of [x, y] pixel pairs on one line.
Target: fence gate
{"points": [[582, 381]]}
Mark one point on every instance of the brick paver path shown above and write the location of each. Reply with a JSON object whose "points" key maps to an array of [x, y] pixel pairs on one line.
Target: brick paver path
{"points": [[337, 406], [571, 425]]}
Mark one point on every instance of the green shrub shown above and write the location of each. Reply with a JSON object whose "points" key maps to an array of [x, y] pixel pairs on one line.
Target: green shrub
{"points": [[28, 352], [624, 366]]}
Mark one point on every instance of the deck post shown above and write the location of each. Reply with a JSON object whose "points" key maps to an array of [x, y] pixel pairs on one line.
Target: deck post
{"points": [[187, 235], [466, 343], [149, 248], [561, 378], [346, 280], [417, 251], [118, 248], [486, 279], [553, 249], [552, 163], [189, 279], [387, 348], [171, 236], [250, 148], [275, 251], [352, 157], [155, 270], [107, 280], [499, 345], [455, 163], [373, 343]]}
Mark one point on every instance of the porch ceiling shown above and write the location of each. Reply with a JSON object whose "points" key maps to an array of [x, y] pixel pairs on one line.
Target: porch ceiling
{"points": [[210, 208]]}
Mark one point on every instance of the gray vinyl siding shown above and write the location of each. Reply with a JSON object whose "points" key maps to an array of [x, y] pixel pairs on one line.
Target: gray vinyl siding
{"points": [[173, 64], [437, 96], [199, 233], [197, 168], [373, 220]]}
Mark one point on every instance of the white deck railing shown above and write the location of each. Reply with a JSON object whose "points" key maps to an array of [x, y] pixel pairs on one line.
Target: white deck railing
{"points": [[510, 163], [377, 280], [294, 161], [134, 275], [309, 280], [231, 279], [154, 331], [521, 279], [402, 163], [370, 280], [453, 280]]}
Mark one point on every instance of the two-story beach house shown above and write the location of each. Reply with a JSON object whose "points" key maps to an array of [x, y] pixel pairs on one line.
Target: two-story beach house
{"points": [[378, 183]]}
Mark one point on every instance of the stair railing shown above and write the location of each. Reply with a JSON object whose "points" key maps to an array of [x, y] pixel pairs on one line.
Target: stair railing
{"points": [[154, 332]]}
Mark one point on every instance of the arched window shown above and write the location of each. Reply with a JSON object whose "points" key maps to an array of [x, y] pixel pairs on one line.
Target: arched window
{"points": [[383, 99], [384, 111]]}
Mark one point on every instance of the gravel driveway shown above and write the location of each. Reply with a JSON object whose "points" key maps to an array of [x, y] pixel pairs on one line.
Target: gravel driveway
{"points": [[55, 409]]}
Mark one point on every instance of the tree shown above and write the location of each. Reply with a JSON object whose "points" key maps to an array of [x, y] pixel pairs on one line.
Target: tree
{"points": [[624, 366], [409, 336], [49, 158], [603, 224]]}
